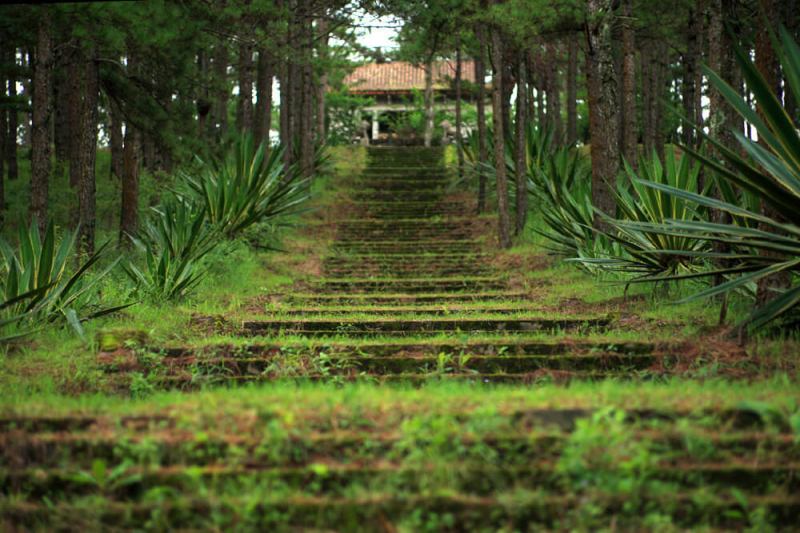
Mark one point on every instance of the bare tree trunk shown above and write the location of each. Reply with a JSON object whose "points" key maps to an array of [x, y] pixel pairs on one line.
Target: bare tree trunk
{"points": [[428, 101], [86, 148], [322, 85], [203, 102], [647, 99], [572, 91], [603, 113], [659, 81], [459, 147], [628, 107], [129, 212], [115, 139], [307, 120], [690, 65], [499, 140], [520, 167], [13, 124], [769, 67], [129, 205], [263, 117], [244, 113], [554, 94], [61, 110], [221, 60], [719, 48], [483, 152], [42, 113]]}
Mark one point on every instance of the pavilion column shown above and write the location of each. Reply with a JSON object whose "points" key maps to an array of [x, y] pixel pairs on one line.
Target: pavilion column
{"points": [[375, 126]]}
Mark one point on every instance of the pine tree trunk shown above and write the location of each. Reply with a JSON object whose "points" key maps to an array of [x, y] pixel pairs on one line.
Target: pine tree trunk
{"points": [[13, 125], [554, 94], [115, 139], [660, 85], [520, 167], [499, 140], [770, 69], [688, 84], [129, 205], [221, 60], [86, 149], [263, 116], [307, 118], [483, 152], [572, 91], [628, 107], [129, 212], [42, 113], [244, 113], [61, 135], [647, 99], [459, 147], [428, 102], [603, 113], [3, 139], [322, 85]]}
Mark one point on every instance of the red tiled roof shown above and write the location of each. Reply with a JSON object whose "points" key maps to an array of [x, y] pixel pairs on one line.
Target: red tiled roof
{"points": [[404, 76]]}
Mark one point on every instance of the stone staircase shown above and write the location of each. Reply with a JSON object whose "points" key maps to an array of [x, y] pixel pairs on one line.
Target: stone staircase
{"points": [[409, 296]]}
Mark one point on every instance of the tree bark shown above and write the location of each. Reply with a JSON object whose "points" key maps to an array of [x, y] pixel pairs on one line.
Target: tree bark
{"points": [[499, 140], [428, 101], [221, 59], [307, 117], [61, 115], [13, 124], [42, 113], [768, 65], [572, 91], [85, 147], [603, 113], [129, 211], [690, 66], [129, 205], [483, 152], [245, 102], [554, 94], [115, 140], [322, 85], [263, 116], [3, 139], [628, 107], [520, 167], [459, 147]]}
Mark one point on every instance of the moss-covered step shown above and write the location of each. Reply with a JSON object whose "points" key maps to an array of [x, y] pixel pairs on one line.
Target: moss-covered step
{"points": [[392, 326], [433, 297], [410, 285]]}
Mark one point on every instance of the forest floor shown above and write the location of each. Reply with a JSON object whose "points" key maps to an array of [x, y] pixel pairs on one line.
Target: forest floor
{"points": [[397, 372]]}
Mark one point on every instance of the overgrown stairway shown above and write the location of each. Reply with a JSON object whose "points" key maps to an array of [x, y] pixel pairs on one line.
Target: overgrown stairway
{"points": [[410, 294]]}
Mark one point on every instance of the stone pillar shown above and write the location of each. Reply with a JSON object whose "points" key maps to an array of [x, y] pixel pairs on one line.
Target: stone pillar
{"points": [[375, 126]]}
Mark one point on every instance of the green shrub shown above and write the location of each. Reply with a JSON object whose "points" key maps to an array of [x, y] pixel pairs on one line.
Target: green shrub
{"points": [[248, 186], [173, 243], [39, 287], [760, 245], [641, 252]]}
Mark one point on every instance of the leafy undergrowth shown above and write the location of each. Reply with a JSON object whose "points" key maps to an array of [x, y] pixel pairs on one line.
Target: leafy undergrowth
{"points": [[619, 455]]}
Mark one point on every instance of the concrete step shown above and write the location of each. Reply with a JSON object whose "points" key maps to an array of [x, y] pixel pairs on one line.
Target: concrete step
{"points": [[398, 327], [411, 285]]}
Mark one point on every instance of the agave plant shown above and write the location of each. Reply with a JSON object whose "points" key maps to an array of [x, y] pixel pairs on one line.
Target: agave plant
{"points": [[247, 187], [38, 287], [644, 253], [768, 243], [173, 241], [561, 187]]}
